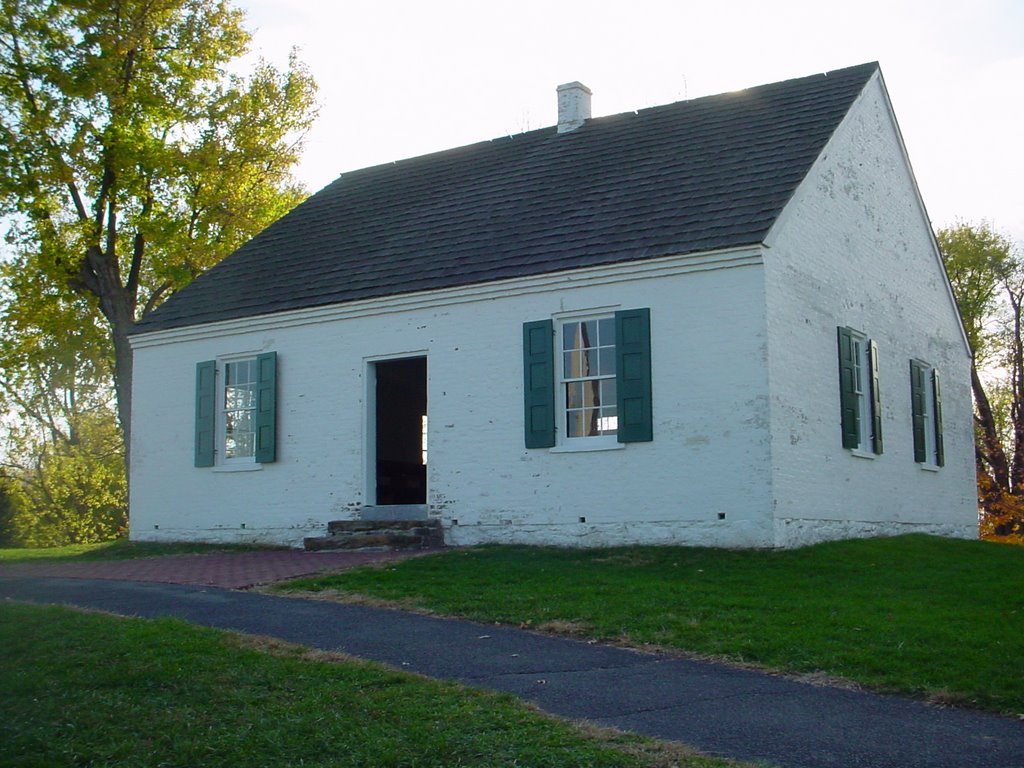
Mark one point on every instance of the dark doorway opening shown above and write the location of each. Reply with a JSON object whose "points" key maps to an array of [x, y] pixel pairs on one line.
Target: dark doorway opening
{"points": [[401, 421]]}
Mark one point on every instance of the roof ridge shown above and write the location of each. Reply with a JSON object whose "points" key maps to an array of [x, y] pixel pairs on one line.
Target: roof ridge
{"points": [[547, 129]]}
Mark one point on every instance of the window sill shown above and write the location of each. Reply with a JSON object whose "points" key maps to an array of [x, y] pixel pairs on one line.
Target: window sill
{"points": [[239, 468], [929, 467], [585, 448], [862, 454]]}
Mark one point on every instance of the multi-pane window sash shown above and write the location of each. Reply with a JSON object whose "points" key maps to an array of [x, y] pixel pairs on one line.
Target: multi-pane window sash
{"points": [[588, 376], [239, 409]]}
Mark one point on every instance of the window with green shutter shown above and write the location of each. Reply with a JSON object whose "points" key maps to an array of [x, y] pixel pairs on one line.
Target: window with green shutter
{"points": [[926, 414], [236, 411], [860, 399], [587, 380]]}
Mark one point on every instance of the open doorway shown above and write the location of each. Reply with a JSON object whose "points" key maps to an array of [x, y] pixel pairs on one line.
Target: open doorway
{"points": [[401, 431]]}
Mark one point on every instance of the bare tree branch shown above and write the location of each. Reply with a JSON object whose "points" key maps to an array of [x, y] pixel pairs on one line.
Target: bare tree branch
{"points": [[154, 297]]}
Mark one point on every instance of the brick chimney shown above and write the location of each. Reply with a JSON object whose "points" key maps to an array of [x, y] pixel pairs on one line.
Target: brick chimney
{"points": [[573, 106]]}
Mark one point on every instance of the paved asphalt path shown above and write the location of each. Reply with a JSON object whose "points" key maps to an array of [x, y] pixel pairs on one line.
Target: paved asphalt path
{"points": [[718, 709]]}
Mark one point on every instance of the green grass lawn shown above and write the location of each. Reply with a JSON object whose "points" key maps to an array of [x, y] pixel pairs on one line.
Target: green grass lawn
{"points": [[932, 617], [82, 689], [122, 549]]}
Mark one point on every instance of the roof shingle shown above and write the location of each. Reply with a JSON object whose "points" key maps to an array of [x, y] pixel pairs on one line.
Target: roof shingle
{"points": [[693, 176]]}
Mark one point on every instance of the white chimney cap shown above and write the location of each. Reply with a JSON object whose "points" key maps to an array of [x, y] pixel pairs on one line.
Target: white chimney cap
{"points": [[573, 106]]}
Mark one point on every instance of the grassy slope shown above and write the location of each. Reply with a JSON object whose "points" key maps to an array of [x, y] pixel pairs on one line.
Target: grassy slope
{"points": [[88, 689], [918, 614]]}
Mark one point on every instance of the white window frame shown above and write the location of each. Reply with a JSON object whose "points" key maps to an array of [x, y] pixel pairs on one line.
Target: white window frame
{"points": [[608, 440], [221, 453]]}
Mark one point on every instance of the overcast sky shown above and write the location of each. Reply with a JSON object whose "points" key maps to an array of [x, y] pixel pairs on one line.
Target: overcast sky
{"points": [[399, 79]]}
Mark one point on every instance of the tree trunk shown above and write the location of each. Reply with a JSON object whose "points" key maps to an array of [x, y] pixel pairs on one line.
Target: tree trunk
{"points": [[100, 275], [1017, 386], [989, 448], [123, 368]]}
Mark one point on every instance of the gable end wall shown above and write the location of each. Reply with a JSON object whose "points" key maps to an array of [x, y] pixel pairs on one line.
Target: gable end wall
{"points": [[854, 248]]}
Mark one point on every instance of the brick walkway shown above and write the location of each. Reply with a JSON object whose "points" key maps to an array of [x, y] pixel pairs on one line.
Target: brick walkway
{"points": [[230, 570]]}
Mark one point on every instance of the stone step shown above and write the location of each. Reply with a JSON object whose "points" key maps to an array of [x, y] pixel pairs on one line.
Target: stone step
{"points": [[378, 535], [366, 542], [359, 526], [394, 512]]}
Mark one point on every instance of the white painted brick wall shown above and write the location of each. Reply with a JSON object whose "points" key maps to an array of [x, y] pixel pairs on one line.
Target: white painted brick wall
{"points": [[709, 455], [746, 411], [854, 249]]}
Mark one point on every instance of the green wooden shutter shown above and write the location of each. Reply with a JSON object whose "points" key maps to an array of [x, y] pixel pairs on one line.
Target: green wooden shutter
{"points": [[206, 412], [876, 399], [633, 375], [266, 408], [539, 383], [940, 449], [848, 404], [917, 406]]}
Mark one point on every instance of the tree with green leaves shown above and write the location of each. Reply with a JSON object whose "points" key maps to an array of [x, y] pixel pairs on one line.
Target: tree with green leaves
{"points": [[63, 458], [987, 275], [8, 511], [132, 159], [68, 487]]}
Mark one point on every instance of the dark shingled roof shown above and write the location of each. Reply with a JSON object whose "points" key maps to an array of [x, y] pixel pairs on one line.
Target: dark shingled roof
{"points": [[692, 176]]}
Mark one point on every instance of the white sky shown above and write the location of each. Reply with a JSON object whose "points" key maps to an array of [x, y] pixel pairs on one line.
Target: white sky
{"points": [[402, 78]]}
